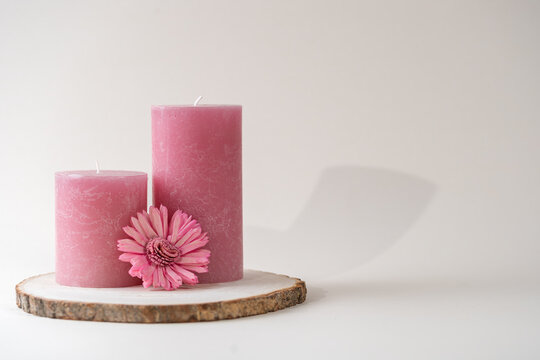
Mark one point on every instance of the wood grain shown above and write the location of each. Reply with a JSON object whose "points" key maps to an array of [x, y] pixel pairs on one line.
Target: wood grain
{"points": [[170, 313]]}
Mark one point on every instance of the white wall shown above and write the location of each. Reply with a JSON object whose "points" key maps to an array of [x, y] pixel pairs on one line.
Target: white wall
{"points": [[382, 138]]}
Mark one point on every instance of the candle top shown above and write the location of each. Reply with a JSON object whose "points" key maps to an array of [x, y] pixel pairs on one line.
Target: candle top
{"points": [[101, 174], [201, 106]]}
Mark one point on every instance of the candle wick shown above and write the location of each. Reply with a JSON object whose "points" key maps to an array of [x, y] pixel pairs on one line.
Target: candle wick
{"points": [[197, 101], [97, 167]]}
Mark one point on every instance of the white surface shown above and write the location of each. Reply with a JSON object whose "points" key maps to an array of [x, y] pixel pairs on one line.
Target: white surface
{"points": [[391, 160], [254, 283]]}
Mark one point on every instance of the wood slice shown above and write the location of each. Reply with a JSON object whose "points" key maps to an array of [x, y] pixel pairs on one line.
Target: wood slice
{"points": [[257, 293]]}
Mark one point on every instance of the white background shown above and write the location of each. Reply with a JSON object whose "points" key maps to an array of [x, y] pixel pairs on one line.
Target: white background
{"points": [[391, 159]]}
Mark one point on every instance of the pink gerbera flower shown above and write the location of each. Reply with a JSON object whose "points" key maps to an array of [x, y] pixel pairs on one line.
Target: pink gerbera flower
{"points": [[165, 254]]}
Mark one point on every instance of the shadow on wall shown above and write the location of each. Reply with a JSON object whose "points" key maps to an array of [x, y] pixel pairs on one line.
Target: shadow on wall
{"points": [[354, 214]]}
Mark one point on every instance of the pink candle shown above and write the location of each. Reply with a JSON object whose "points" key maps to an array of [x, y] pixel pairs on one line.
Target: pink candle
{"points": [[91, 209], [197, 167]]}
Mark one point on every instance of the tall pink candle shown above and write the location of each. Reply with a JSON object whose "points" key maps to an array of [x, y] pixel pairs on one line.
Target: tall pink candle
{"points": [[197, 167], [91, 209]]}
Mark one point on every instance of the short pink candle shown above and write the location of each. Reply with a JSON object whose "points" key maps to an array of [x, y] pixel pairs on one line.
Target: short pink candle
{"points": [[91, 209], [197, 167]]}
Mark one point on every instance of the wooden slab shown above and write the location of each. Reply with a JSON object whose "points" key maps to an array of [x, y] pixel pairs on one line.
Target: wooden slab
{"points": [[257, 293]]}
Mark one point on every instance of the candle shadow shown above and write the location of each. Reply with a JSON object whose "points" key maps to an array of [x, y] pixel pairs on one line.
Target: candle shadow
{"points": [[353, 215], [397, 288]]}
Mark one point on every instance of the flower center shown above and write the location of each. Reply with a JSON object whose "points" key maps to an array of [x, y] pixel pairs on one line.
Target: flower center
{"points": [[161, 252]]}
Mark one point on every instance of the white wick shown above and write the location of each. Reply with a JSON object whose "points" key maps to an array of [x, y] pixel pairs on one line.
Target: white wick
{"points": [[97, 167], [197, 101]]}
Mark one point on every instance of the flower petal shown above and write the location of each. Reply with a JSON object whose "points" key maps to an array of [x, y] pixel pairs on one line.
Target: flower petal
{"points": [[147, 283], [128, 245], [190, 235], [175, 280], [161, 276], [174, 277], [166, 282], [196, 234], [148, 275], [175, 225], [135, 271], [140, 263], [140, 260], [179, 219], [187, 226], [155, 280], [140, 238], [155, 218], [126, 257], [164, 220], [196, 260], [187, 276], [137, 225], [143, 219], [197, 257], [194, 245], [196, 268]]}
